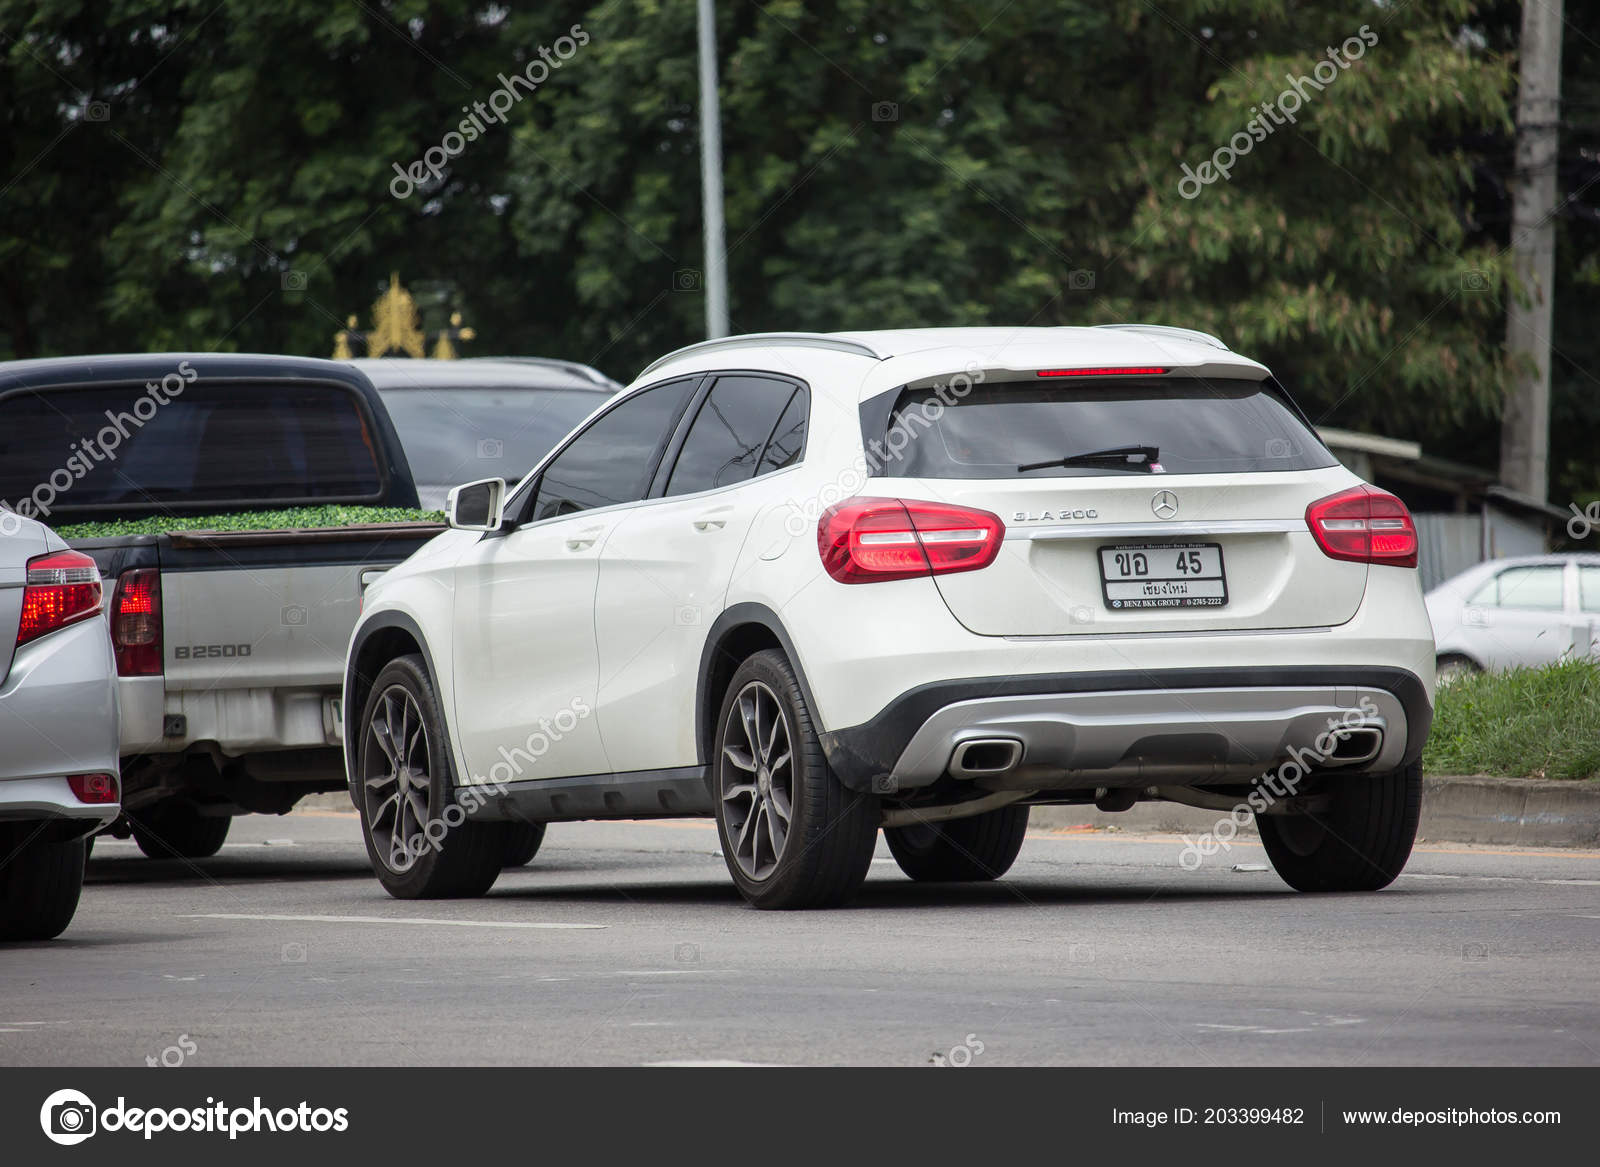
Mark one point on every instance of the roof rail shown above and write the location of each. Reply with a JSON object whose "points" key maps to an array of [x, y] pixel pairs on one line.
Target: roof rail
{"points": [[767, 339], [576, 368], [1168, 330]]}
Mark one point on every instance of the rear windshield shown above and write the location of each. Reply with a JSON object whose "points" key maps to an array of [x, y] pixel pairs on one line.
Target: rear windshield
{"points": [[120, 448], [1194, 426], [458, 435]]}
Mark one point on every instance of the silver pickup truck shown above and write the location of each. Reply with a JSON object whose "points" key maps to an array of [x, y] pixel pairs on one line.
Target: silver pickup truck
{"points": [[229, 645]]}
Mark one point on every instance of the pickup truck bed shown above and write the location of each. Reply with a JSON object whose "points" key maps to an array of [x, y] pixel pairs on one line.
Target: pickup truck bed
{"points": [[253, 633]]}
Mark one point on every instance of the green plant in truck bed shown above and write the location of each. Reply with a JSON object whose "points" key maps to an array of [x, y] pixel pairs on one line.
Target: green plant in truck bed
{"points": [[296, 518]]}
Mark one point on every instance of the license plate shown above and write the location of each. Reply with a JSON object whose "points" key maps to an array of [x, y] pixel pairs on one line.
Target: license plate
{"points": [[1169, 575]]}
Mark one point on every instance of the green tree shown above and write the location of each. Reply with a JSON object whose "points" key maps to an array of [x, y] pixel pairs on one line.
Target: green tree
{"points": [[887, 163]]}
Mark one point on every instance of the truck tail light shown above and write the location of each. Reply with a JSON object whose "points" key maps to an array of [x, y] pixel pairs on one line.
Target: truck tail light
{"points": [[136, 622], [869, 540], [62, 588], [1364, 525], [96, 789]]}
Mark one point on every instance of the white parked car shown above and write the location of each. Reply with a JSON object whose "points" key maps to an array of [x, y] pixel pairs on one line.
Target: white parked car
{"points": [[1511, 613], [819, 585], [58, 726]]}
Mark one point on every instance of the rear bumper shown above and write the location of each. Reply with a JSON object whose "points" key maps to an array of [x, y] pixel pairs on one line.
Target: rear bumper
{"points": [[58, 716], [239, 720], [1133, 728]]}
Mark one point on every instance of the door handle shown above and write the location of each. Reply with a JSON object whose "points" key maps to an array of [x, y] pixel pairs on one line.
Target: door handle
{"points": [[712, 520], [584, 540]]}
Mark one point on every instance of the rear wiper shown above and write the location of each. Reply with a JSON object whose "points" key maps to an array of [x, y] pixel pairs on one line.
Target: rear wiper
{"points": [[1117, 457]]}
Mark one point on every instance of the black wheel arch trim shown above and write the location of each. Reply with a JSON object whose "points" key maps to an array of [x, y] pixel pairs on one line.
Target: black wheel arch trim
{"points": [[733, 617], [383, 621], [862, 752]]}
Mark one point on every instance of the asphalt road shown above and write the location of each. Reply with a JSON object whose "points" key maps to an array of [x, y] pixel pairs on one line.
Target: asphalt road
{"points": [[626, 944]]}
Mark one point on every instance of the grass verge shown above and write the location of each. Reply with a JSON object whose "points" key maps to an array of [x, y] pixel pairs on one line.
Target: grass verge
{"points": [[1525, 723]]}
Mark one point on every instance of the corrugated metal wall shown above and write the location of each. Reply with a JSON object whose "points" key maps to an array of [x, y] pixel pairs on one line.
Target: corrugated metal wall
{"points": [[1448, 544]]}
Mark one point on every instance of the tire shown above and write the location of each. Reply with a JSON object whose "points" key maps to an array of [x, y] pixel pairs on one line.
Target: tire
{"points": [[175, 829], [522, 843], [1452, 667], [1360, 843], [40, 882], [962, 850], [819, 857], [402, 797]]}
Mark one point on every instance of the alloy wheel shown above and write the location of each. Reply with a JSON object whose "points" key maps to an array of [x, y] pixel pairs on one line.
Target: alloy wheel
{"points": [[395, 779], [757, 780]]}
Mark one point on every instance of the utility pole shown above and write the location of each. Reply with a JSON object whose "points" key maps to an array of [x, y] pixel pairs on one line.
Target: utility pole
{"points": [[716, 273], [1525, 430]]}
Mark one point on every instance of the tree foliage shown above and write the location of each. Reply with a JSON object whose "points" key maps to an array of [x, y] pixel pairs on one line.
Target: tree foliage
{"points": [[887, 163]]}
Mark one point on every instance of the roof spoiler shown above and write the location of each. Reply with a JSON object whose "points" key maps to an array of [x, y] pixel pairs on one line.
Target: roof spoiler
{"points": [[1171, 333]]}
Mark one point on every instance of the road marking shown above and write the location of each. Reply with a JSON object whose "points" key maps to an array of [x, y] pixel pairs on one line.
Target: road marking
{"points": [[1500, 878], [1168, 839], [388, 920]]}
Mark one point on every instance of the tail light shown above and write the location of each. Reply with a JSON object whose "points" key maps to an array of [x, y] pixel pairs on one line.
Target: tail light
{"points": [[1364, 525], [868, 540], [62, 588], [97, 789], [136, 622], [1117, 371]]}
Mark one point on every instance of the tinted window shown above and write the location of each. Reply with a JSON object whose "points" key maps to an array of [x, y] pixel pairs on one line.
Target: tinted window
{"points": [[729, 433], [453, 435], [789, 438], [1589, 588], [613, 460], [118, 447], [1199, 427], [1538, 588]]}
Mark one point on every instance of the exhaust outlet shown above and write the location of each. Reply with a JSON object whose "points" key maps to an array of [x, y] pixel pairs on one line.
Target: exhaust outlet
{"points": [[1355, 746], [983, 756]]}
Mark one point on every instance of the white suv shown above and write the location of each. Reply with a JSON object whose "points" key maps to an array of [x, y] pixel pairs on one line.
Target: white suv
{"points": [[815, 585]]}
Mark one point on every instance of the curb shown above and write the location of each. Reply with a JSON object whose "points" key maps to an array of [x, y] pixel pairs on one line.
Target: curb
{"points": [[1514, 812], [1507, 812]]}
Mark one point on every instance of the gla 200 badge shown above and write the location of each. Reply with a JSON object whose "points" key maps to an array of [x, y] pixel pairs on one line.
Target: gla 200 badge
{"points": [[1054, 516]]}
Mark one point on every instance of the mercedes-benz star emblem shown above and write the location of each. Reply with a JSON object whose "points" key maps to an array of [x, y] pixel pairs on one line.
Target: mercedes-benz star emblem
{"points": [[1164, 504]]}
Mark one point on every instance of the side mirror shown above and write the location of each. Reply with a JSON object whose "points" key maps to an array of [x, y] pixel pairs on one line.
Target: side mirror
{"points": [[476, 506]]}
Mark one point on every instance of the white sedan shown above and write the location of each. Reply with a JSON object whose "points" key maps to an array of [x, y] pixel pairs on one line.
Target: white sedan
{"points": [[1512, 613]]}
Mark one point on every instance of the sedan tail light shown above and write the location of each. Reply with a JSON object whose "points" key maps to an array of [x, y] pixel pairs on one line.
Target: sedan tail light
{"points": [[62, 588], [869, 540], [136, 622], [1364, 525]]}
